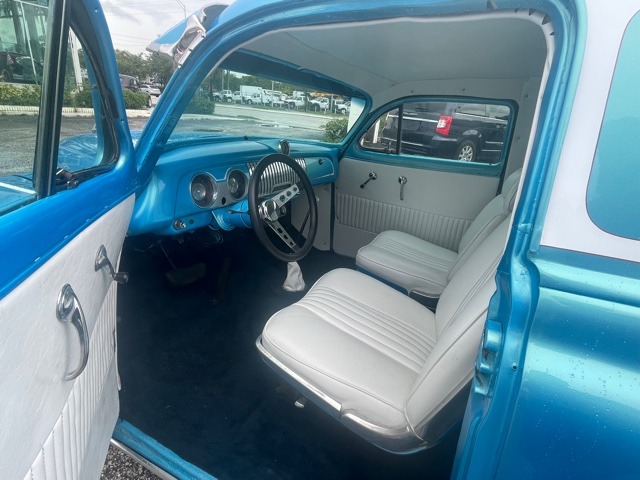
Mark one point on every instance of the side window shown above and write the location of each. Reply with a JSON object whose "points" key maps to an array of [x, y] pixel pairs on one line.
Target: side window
{"points": [[23, 31], [613, 195], [78, 148], [467, 132]]}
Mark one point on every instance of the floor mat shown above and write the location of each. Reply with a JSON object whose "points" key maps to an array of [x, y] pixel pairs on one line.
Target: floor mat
{"points": [[193, 379]]}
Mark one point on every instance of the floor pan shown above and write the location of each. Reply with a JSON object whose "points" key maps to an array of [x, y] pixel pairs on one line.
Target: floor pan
{"points": [[193, 380]]}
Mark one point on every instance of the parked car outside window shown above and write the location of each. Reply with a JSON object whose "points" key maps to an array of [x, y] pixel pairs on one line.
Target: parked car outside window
{"points": [[469, 132]]}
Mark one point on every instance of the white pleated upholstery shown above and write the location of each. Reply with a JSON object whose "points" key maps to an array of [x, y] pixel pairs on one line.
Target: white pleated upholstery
{"points": [[416, 265], [336, 323], [372, 216], [78, 443], [380, 355]]}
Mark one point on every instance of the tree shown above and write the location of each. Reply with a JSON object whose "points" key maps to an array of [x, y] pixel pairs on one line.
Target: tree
{"points": [[154, 67], [132, 64], [160, 68]]}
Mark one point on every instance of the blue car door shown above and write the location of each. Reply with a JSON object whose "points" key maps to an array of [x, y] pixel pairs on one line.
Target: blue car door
{"points": [[67, 175]]}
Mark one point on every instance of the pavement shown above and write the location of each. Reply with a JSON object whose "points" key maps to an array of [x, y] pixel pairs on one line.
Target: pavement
{"points": [[120, 466], [18, 126]]}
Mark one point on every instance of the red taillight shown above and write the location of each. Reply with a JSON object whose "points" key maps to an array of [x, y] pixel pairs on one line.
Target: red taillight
{"points": [[444, 124]]}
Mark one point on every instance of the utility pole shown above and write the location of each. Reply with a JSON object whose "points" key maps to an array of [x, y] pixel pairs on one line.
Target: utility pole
{"points": [[184, 8], [75, 58]]}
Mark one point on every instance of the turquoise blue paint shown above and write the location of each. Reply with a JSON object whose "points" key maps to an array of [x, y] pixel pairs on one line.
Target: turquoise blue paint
{"points": [[157, 453], [613, 196], [488, 418]]}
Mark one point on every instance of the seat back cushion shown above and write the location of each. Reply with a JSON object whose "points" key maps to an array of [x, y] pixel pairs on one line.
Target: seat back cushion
{"points": [[487, 220], [460, 318]]}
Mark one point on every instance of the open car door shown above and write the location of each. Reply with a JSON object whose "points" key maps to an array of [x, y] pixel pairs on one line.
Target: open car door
{"points": [[65, 204]]}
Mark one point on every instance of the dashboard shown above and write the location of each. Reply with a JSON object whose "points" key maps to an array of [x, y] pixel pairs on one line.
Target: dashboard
{"points": [[195, 186]]}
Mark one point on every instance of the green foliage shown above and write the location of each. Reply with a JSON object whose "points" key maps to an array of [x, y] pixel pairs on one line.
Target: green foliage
{"points": [[156, 67], [132, 64], [135, 100], [26, 95], [335, 130], [83, 99], [29, 96], [160, 68], [202, 106]]}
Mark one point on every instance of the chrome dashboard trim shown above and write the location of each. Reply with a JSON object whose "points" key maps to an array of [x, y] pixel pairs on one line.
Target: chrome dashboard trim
{"points": [[276, 176]]}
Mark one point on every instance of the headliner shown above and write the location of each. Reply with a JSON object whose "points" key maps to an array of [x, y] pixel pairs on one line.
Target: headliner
{"points": [[378, 55]]}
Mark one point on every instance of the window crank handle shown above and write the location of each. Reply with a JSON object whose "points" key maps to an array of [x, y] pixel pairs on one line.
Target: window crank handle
{"points": [[372, 176]]}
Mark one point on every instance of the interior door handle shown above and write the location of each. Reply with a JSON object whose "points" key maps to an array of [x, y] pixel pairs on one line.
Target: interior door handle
{"points": [[68, 310], [402, 180]]}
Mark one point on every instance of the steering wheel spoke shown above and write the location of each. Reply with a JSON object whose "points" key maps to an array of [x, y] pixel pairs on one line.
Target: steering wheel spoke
{"points": [[284, 236], [286, 195], [269, 214]]}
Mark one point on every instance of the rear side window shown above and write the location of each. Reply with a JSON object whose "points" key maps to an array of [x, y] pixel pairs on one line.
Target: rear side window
{"points": [[613, 195], [462, 131]]}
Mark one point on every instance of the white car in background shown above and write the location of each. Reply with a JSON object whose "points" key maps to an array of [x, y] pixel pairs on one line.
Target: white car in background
{"points": [[151, 90]]}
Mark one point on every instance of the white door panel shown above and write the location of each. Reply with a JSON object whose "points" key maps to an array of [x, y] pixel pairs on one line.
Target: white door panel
{"points": [[436, 206], [37, 351]]}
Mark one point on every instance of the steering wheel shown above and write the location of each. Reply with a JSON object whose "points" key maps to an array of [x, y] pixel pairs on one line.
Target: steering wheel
{"points": [[266, 209]]}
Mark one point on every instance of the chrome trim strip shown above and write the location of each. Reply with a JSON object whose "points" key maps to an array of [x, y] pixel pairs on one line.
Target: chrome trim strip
{"points": [[274, 362], [17, 189], [395, 440], [152, 467]]}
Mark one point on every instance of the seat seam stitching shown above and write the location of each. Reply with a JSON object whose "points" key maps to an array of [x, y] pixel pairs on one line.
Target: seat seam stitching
{"points": [[409, 331], [401, 354]]}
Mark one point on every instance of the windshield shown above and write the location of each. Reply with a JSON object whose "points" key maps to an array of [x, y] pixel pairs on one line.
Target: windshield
{"points": [[231, 103]]}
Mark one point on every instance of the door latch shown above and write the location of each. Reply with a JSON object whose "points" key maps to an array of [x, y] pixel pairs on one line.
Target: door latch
{"points": [[402, 180], [102, 261]]}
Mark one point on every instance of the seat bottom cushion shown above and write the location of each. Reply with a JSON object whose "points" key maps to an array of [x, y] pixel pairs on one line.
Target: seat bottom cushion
{"points": [[358, 341], [411, 263]]}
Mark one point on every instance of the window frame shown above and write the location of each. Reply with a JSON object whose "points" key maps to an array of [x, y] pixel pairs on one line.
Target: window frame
{"points": [[46, 179], [425, 162]]}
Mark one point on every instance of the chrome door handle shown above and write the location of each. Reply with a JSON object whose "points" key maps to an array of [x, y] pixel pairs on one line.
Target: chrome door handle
{"points": [[68, 310], [402, 180]]}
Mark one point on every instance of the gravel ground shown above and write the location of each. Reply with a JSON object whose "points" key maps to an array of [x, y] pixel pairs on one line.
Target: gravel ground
{"points": [[120, 466]]}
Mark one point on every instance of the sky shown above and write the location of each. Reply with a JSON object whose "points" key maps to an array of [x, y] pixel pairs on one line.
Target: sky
{"points": [[136, 23]]}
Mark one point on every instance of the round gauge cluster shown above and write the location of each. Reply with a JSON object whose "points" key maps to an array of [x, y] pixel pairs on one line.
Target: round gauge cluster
{"points": [[237, 184], [204, 190]]}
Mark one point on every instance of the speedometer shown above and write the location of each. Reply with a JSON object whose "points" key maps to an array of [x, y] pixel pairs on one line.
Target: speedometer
{"points": [[237, 184]]}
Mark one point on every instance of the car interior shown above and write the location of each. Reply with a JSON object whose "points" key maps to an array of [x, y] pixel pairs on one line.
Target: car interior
{"points": [[371, 352]]}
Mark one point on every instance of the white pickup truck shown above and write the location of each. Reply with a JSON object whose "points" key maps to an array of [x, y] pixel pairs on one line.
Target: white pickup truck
{"points": [[318, 104], [296, 102]]}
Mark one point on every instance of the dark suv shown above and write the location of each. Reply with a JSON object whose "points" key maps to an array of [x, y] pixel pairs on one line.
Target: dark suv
{"points": [[471, 132]]}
